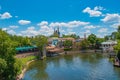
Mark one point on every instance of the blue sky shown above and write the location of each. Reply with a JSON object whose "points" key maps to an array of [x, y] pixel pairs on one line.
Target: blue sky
{"points": [[34, 17]]}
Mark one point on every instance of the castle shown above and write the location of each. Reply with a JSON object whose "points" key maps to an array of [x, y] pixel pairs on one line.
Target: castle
{"points": [[56, 32]]}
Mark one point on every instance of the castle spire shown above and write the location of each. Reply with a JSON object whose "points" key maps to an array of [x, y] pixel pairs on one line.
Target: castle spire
{"points": [[54, 30]]}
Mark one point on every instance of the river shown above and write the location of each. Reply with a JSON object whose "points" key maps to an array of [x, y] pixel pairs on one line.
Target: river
{"points": [[82, 66]]}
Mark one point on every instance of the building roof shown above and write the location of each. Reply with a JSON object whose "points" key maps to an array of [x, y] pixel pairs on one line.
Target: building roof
{"points": [[109, 42]]}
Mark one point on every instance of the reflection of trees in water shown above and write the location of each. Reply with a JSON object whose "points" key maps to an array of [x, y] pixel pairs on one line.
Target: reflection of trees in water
{"points": [[39, 67], [93, 58], [117, 70], [68, 59], [54, 60]]}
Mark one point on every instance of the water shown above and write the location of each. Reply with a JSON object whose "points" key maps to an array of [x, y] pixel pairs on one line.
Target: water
{"points": [[73, 67]]}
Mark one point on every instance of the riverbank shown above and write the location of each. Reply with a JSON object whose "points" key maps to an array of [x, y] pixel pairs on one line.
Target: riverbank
{"points": [[80, 51], [25, 62]]}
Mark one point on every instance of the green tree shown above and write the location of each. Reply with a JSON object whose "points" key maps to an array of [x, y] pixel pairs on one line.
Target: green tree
{"points": [[117, 49], [67, 43], [114, 35], [3, 66], [92, 39], [7, 53], [98, 42], [84, 44], [41, 41], [71, 36]]}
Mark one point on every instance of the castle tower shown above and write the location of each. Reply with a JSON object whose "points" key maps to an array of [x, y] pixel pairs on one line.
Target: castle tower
{"points": [[58, 32], [54, 31], [84, 35]]}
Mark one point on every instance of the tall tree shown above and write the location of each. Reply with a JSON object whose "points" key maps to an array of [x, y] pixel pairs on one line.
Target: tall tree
{"points": [[92, 39], [84, 44], [41, 41], [7, 52]]}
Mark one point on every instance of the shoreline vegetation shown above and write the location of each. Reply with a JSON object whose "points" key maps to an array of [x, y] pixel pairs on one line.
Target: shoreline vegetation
{"points": [[25, 62]]}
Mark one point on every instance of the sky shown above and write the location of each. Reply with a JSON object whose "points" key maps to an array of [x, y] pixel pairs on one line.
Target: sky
{"points": [[40, 17]]}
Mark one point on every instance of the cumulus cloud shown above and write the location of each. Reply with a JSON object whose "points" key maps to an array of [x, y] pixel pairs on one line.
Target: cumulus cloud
{"points": [[12, 32], [29, 32], [90, 27], [87, 32], [46, 30], [24, 22], [115, 25], [4, 29], [13, 27], [71, 32], [96, 12], [5, 15], [43, 23], [111, 18], [102, 30], [70, 24]]}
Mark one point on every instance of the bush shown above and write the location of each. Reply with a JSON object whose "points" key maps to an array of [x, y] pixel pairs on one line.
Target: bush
{"points": [[67, 49], [26, 59]]}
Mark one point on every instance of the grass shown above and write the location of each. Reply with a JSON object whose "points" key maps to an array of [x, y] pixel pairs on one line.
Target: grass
{"points": [[26, 59]]}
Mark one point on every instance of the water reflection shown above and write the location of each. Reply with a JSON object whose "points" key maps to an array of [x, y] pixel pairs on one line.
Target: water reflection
{"points": [[73, 67], [38, 70]]}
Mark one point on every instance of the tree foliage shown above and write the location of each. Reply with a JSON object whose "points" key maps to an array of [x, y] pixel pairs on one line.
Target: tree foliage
{"points": [[72, 36], [41, 42], [84, 44], [114, 36], [92, 39], [7, 60], [67, 43]]}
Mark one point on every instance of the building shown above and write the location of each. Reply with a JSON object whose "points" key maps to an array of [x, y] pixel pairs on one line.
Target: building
{"points": [[108, 45], [56, 32]]}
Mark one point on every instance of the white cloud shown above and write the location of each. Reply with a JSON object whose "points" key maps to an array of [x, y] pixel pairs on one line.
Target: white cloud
{"points": [[71, 32], [100, 35], [11, 32], [4, 29], [24, 22], [90, 27], [13, 27], [98, 8], [87, 32], [95, 12], [103, 30], [45, 30], [115, 25], [70, 24], [29, 32], [111, 18], [31, 28], [5, 15], [43, 23]]}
